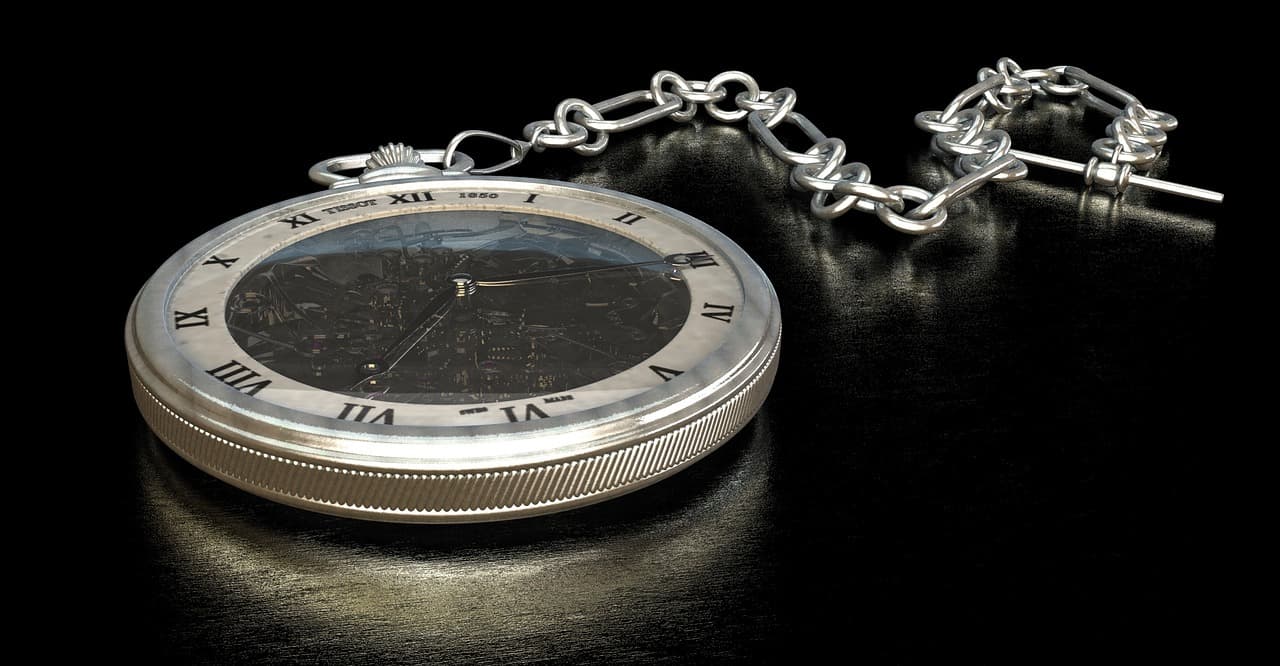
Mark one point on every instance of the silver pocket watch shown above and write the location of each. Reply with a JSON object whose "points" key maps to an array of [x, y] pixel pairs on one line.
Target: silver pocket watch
{"points": [[425, 342]]}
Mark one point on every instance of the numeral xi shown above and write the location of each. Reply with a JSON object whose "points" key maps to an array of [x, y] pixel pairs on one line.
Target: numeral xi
{"points": [[301, 219]]}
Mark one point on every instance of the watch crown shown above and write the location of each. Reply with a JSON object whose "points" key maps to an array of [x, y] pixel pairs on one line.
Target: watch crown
{"points": [[394, 155], [394, 161]]}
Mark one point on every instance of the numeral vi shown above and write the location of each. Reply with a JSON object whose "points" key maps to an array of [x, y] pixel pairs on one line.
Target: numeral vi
{"points": [[530, 411]]}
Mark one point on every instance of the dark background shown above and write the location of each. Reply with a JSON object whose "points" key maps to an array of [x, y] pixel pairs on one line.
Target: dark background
{"points": [[994, 440]]}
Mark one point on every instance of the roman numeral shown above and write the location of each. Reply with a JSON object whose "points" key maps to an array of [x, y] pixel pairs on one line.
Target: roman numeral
{"points": [[700, 259], [358, 413], [225, 263], [411, 197], [188, 319], [299, 220], [667, 374], [530, 410], [531, 198], [628, 218], [235, 375], [720, 312]]}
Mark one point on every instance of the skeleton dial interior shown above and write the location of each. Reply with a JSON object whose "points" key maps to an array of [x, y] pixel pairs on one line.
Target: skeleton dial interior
{"points": [[446, 307]]}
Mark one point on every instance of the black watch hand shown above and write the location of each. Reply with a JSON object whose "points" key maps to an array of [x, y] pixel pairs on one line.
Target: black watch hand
{"points": [[432, 314], [523, 278]]}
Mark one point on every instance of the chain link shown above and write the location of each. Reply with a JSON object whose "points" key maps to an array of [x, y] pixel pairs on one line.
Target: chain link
{"points": [[962, 133]]}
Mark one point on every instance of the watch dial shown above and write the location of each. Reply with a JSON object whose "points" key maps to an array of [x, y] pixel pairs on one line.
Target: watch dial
{"points": [[458, 307]]}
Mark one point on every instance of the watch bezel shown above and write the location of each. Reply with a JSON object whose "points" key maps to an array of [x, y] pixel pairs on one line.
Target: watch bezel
{"points": [[272, 430]]}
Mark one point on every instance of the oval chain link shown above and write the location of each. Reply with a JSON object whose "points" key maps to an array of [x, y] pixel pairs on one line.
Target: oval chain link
{"points": [[1134, 138], [962, 132]]}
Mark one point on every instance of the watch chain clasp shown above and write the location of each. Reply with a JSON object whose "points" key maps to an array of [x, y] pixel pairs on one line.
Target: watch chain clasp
{"points": [[1136, 135]]}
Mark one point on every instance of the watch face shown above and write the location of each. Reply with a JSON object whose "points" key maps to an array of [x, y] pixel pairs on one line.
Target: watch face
{"points": [[448, 305], [459, 307], [453, 349]]}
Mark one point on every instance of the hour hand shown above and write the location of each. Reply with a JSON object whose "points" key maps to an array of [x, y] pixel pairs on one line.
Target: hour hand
{"points": [[676, 260], [431, 315]]}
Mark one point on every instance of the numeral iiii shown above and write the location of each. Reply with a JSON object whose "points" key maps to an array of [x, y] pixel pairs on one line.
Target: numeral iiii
{"points": [[235, 375]]}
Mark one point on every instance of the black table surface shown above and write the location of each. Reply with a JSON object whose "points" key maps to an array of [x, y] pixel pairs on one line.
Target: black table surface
{"points": [[998, 428]]}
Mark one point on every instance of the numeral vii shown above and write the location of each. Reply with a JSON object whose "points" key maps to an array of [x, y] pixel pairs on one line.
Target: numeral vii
{"points": [[722, 313], [358, 413], [235, 375], [188, 319]]}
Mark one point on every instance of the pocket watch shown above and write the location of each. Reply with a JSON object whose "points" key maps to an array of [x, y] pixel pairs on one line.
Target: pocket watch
{"points": [[427, 342]]}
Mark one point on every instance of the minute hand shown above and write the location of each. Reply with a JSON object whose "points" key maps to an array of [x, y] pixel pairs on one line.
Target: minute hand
{"points": [[522, 278], [431, 314]]}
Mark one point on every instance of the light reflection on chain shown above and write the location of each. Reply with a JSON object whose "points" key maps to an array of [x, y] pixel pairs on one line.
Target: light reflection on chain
{"points": [[966, 133]]}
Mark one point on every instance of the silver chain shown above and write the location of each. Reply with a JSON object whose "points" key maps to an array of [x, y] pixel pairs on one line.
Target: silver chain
{"points": [[962, 132]]}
